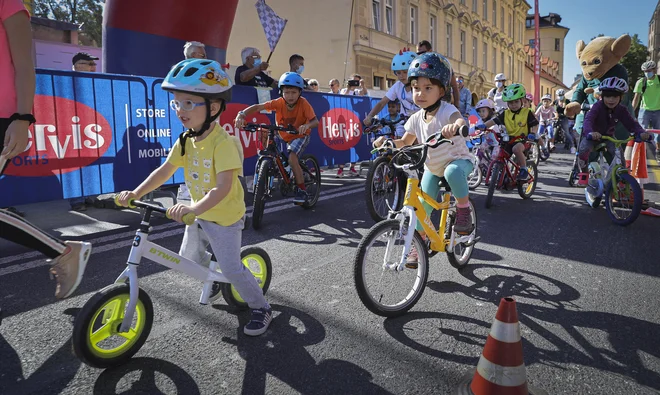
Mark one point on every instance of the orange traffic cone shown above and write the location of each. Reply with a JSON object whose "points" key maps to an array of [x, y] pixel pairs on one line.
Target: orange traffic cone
{"points": [[501, 369], [638, 164]]}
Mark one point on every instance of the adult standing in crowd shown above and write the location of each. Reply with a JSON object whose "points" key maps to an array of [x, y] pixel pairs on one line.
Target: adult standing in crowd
{"points": [[355, 86], [465, 98], [194, 50], [17, 79], [450, 96], [297, 65], [647, 91], [334, 86], [252, 71], [560, 104], [495, 94], [313, 85]]}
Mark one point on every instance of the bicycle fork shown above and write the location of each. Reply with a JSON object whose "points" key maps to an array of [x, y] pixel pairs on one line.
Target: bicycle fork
{"points": [[407, 220]]}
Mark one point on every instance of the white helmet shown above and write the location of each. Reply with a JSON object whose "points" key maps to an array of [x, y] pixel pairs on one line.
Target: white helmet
{"points": [[560, 92], [614, 84], [546, 97], [500, 77], [485, 103]]}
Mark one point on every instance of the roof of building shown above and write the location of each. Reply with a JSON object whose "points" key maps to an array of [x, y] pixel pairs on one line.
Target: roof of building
{"points": [[549, 77], [550, 20], [53, 24]]}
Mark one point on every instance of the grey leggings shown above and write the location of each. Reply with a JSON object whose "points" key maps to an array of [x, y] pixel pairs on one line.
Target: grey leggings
{"points": [[225, 242]]}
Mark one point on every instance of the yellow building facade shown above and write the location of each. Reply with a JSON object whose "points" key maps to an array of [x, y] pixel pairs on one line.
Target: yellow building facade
{"points": [[551, 36], [340, 37]]}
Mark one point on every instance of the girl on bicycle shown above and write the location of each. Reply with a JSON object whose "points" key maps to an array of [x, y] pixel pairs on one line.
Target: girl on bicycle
{"points": [[429, 74], [212, 163], [486, 110], [546, 114], [602, 118]]}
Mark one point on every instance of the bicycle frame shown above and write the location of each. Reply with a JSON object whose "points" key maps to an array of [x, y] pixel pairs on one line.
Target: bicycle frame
{"points": [[143, 248], [504, 158], [610, 171], [272, 151]]}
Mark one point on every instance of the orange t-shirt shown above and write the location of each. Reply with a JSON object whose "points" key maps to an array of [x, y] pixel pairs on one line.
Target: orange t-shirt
{"points": [[301, 114]]}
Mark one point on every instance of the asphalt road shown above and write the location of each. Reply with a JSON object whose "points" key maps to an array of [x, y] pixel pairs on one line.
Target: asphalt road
{"points": [[586, 291]]}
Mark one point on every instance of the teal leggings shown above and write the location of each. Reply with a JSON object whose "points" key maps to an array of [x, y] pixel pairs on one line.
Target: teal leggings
{"points": [[456, 174]]}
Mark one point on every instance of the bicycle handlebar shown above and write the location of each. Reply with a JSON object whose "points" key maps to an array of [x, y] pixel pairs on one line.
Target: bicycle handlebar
{"points": [[253, 127], [187, 219], [433, 141]]}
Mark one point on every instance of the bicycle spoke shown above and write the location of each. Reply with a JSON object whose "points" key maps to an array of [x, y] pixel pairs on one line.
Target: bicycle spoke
{"points": [[102, 333]]}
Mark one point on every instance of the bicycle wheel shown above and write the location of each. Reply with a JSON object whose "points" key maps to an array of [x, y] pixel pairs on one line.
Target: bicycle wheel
{"points": [[382, 188], [475, 178], [257, 261], [312, 175], [623, 201], [385, 291], [260, 193], [533, 154], [493, 180], [526, 188], [96, 338], [461, 254], [544, 152]]}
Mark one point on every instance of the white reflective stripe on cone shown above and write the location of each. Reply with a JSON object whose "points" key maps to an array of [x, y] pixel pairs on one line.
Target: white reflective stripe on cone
{"points": [[511, 376], [505, 332]]}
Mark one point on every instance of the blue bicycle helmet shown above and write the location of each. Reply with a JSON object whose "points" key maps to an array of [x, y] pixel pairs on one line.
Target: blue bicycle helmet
{"points": [[200, 77], [402, 60], [433, 66], [291, 79]]}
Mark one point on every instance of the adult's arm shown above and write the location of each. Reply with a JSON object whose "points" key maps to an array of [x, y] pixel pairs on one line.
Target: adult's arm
{"points": [[249, 74]]}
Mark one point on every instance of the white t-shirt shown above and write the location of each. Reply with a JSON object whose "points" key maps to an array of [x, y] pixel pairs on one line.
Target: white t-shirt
{"points": [[398, 91], [438, 158], [497, 98], [546, 114], [354, 92]]}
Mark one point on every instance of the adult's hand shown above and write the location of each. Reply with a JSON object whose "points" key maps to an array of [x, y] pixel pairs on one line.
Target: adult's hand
{"points": [[263, 66], [16, 139]]}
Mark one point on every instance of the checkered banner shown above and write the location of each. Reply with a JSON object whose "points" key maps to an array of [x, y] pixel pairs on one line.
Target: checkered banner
{"points": [[273, 24]]}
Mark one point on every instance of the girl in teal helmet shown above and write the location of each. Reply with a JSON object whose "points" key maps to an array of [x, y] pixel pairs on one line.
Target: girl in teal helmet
{"points": [[212, 163], [401, 90], [519, 122], [429, 76]]}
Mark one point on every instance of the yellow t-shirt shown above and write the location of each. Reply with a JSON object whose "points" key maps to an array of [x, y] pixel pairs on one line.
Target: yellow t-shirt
{"points": [[517, 124], [202, 161]]}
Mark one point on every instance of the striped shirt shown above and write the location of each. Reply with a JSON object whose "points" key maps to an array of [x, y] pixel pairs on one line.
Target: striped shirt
{"points": [[438, 158]]}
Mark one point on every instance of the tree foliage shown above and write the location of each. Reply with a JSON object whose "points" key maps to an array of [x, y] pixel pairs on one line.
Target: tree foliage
{"points": [[88, 14], [633, 60]]}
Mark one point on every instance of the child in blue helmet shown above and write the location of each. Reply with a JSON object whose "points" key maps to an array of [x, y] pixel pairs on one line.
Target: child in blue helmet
{"points": [[429, 75], [290, 109], [213, 162]]}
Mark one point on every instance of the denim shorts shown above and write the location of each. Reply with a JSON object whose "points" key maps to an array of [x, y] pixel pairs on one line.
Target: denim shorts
{"points": [[298, 145]]}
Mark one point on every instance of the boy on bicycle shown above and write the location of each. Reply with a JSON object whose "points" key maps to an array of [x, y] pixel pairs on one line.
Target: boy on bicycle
{"points": [[290, 109], [394, 115], [602, 118], [519, 121], [212, 164]]}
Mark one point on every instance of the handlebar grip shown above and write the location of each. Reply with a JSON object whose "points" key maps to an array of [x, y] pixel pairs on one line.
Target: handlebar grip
{"points": [[189, 219], [463, 131], [130, 202]]}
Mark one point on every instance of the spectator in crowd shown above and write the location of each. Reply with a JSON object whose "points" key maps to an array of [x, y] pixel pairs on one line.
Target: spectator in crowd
{"points": [[647, 93], [334, 86], [82, 61], [297, 65], [313, 85], [495, 94], [465, 98], [451, 96], [355, 86], [252, 72], [17, 79], [194, 50]]}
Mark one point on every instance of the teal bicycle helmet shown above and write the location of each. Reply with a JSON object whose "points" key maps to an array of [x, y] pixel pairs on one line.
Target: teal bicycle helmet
{"points": [[200, 77], [291, 79], [402, 60]]}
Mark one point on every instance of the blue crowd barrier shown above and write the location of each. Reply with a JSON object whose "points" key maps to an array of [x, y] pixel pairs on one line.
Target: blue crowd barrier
{"points": [[102, 133]]}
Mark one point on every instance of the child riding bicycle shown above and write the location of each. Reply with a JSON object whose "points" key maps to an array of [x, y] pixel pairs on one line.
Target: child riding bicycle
{"points": [[429, 76], [290, 109], [546, 114], [602, 118], [394, 115], [212, 164], [519, 121]]}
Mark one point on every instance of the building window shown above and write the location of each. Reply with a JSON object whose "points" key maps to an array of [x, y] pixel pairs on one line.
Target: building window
{"points": [[502, 67], [495, 13], [375, 5], [510, 25], [475, 6], [474, 51], [511, 73], [389, 16], [557, 45], [494, 60], [413, 24], [462, 2], [502, 18], [433, 27], [485, 56], [531, 43], [529, 23], [485, 10], [449, 41], [463, 45], [390, 82], [378, 82]]}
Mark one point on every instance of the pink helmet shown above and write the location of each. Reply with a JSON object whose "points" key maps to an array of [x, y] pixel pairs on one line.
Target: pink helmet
{"points": [[529, 97], [485, 103]]}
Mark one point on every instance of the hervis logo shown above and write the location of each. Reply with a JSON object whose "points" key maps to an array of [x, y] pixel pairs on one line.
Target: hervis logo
{"points": [[248, 139], [68, 136], [340, 129]]}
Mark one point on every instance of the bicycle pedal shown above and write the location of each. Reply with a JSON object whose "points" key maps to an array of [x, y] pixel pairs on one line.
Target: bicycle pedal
{"points": [[473, 242]]}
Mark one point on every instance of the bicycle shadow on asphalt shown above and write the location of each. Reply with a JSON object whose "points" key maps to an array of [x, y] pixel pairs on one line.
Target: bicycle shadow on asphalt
{"points": [[180, 382], [629, 338], [344, 232], [54, 374], [290, 332]]}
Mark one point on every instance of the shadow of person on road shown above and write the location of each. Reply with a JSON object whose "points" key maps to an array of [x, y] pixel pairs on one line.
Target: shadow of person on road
{"points": [[290, 332], [53, 376], [178, 380]]}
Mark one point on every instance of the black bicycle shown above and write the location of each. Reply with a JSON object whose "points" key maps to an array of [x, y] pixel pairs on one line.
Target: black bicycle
{"points": [[274, 164]]}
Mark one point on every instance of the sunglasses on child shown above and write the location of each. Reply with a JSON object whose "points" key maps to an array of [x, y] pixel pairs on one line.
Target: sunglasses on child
{"points": [[185, 105]]}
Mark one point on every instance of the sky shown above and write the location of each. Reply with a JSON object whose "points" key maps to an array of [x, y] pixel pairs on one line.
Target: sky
{"points": [[588, 18]]}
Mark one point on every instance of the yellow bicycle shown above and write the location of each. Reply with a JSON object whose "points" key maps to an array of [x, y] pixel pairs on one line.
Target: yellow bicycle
{"points": [[383, 282]]}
